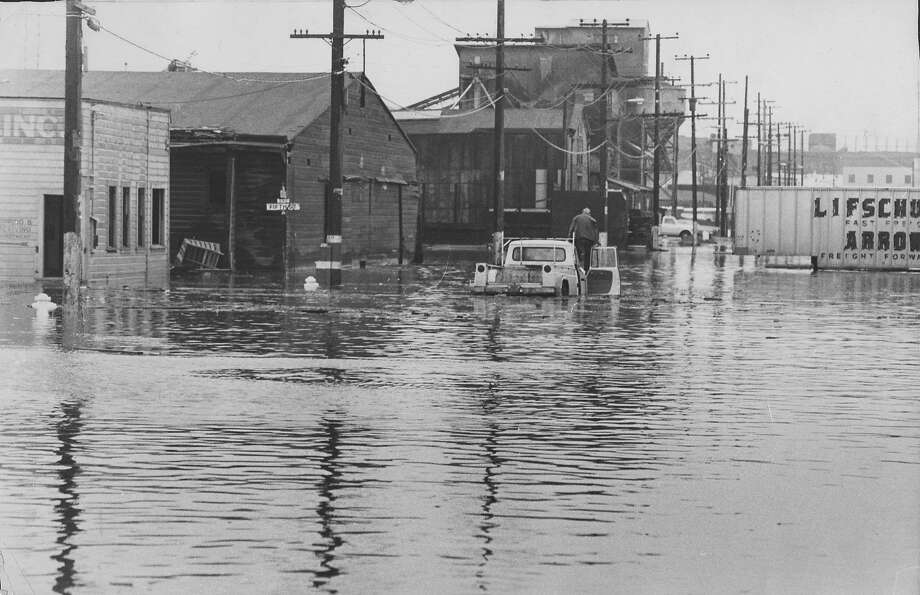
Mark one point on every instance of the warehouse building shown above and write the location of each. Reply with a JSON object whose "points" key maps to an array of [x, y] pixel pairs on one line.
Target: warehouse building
{"points": [[123, 212]]}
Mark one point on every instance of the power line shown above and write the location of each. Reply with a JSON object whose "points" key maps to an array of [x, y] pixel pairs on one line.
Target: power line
{"points": [[220, 74]]}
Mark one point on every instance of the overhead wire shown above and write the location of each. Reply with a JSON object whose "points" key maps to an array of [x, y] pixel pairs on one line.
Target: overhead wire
{"points": [[568, 151], [426, 41], [220, 74]]}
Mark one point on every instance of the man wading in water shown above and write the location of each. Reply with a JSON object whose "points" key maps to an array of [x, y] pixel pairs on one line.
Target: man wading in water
{"points": [[584, 228]]}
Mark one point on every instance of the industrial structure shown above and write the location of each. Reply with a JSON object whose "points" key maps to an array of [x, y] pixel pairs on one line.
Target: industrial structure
{"points": [[594, 77]]}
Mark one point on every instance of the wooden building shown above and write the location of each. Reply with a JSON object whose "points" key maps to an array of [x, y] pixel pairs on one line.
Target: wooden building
{"points": [[241, 141], [545, 151], [124, 207]]}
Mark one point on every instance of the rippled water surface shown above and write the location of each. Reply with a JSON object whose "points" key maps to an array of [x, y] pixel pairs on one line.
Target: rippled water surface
{"points": [[720, 428]]}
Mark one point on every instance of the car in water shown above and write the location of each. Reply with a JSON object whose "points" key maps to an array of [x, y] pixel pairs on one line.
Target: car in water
{"points": [[683, 228], [547, 267]]}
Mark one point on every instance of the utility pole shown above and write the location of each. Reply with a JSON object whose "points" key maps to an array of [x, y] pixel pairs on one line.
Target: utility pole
{"points": [[332, 220], [759, 141], [723, 200], [498, 185], [676, 167], [779, 155], [795, 157], [498, 152], [605, 25], [73, 155], [719, 156], [770, 146], [720, 175], [693, 60], [656, 152], [802, 151], [744, 136], [790, 155]]}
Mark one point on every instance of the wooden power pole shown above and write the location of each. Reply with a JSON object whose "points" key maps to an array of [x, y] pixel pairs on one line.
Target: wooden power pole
{"points": [[332, 220], [744, 137], [656, 150], [73, 155], [693, 60], [498, 151]]}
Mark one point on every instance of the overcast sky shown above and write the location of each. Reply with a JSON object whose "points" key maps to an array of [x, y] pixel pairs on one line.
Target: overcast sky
{"points": [[845, 66]]}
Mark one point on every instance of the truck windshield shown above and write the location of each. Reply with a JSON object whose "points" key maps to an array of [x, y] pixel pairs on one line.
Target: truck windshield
{"points": [[538, 254]]}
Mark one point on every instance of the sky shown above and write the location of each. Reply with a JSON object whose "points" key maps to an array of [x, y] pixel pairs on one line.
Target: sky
{"points": [[851, 67]]}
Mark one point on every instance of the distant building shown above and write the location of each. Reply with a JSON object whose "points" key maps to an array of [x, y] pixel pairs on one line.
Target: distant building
{"points": [[822, 142], [569, 62], [123, 211], [242, 141], [888, 169], [545, 151]]}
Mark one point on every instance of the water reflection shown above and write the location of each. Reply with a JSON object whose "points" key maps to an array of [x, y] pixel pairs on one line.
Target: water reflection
{"points": [[67, 508], [328, 490], [686, 437]]}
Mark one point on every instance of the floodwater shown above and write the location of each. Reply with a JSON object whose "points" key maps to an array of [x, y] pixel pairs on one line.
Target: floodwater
{"points": [[721, 428]]}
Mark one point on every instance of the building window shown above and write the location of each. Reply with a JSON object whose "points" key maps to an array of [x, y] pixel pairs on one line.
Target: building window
{"points": [[157, 217], [217, 190], [907, 180], [141, 213], [111, 215], [870, 179], [851, 178], [125, 216], [887, 178]]}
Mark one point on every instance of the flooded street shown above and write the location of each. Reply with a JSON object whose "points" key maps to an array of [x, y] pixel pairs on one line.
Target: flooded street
{"points": [[720, 428]]}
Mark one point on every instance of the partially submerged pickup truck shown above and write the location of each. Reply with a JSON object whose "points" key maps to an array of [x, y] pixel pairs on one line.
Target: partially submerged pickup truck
{"points": [[547, 267]]}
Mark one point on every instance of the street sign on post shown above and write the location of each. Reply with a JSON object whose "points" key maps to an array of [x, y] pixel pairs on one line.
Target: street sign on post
{"points": [[282, 203]]}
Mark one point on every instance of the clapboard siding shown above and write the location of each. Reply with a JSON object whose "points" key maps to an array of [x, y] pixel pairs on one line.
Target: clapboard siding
{"points": [[127, 148], [374, 147], [123, 146], [28, 171]]}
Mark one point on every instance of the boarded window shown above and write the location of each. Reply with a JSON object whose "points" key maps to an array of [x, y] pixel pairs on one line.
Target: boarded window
{"points": [[141, 214], [851, 178], [157, 217], [111, 216], [907, 180], [888, 178], [870, 179], [125, 216]]}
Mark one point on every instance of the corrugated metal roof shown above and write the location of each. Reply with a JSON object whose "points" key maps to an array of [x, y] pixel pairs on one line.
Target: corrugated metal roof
{"points": [[261, 103], [457, 122]]}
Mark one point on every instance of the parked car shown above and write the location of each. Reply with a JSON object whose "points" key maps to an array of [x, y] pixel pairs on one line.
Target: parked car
{"points": [[683, 228]]}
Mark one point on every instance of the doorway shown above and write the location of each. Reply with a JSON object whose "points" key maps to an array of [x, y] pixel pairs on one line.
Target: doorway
{"points": [[53, 237]]}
